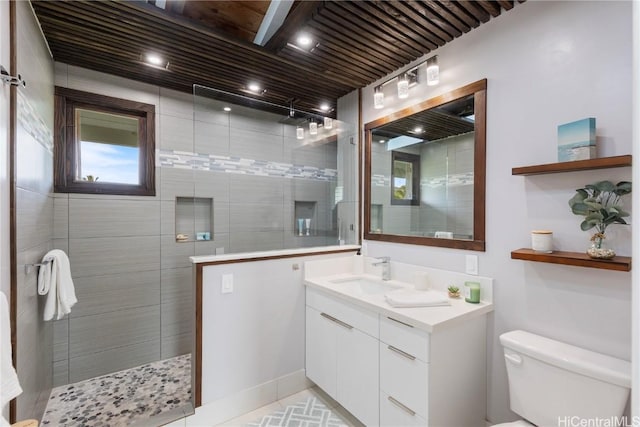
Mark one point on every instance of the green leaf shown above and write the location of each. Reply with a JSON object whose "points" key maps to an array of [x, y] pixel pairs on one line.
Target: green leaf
{"points": [[580, 209], [586, 225], [620, 211], [593, 205], [605, 186], [623, 187]]}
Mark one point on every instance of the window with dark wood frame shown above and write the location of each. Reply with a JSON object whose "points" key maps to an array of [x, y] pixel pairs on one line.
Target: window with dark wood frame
{"points": [[69, 104], [409, 164]]}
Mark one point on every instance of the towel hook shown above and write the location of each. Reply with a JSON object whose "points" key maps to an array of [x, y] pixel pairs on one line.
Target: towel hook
{"points": [[28, 267], [13, 81]]}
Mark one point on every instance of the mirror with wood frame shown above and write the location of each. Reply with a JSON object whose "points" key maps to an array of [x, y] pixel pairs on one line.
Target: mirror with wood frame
{"points": [[425, 172]]}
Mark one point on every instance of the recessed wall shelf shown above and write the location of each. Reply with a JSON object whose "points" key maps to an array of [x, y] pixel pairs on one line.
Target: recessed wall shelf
{"points": [[578, 259], [578, 165], [194, 215]]}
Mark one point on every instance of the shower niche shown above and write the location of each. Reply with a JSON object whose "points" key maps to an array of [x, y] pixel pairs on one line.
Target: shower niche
{"points": [[305, 218], [194, 219]]}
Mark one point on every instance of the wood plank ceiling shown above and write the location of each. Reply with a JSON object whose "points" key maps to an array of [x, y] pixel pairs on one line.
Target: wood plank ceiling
{"points": [[209, 42]]}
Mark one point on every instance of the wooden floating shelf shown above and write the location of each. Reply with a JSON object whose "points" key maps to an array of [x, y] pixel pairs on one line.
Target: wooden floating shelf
{"points": [[579, 259], [578, 165]]}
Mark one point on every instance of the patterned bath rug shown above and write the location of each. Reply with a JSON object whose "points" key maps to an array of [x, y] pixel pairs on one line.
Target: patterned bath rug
{"points": [[308, 413]]}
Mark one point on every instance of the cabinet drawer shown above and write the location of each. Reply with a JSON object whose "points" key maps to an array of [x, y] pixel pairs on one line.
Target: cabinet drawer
{"points": [[393, 414], [352, 315], [405, 378], [404, 337]]}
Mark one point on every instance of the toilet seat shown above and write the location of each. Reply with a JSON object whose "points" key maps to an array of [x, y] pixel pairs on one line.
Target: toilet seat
{"points": [[519, 423]]}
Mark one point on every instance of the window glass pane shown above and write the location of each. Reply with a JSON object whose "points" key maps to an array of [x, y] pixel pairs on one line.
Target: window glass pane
{"points": [[402, 180], [108, 148]]}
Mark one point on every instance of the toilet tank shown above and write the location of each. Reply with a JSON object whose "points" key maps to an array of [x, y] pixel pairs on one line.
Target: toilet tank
{"points": [[550, 382]]}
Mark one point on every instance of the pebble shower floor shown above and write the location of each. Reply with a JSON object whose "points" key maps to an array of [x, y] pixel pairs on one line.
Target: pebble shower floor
{"points": [[121, 398]]}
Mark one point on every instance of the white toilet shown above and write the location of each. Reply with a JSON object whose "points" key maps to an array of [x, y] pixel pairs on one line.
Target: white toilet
{"points": [[550, 381]]}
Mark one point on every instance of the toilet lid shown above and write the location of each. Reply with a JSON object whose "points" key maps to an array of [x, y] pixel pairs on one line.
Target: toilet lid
{"points": [[519, 423]]}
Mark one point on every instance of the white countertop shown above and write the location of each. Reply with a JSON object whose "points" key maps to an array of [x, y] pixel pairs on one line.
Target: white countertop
{"points": [[429, 319], [271, 254]]}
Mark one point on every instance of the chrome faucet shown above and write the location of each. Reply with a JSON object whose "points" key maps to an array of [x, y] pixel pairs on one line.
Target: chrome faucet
{"points": [[385, 262]]}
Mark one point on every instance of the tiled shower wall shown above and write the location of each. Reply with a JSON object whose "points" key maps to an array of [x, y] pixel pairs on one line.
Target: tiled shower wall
{"points": [[446, 190], [34, 216], [133, 280]]}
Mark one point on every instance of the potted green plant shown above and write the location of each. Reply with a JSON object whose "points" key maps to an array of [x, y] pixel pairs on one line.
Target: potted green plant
{"points": [[600, 205], [454, 291]]}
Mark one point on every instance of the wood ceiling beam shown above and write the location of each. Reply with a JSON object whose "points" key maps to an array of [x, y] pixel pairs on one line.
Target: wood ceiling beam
{"points": [[325, 25], [459, 12], [423, 16], [492, 7], [296, 21], [411, 18], [370, 19], [258, 53], [440, 10], [479, 13], [506, 4]]}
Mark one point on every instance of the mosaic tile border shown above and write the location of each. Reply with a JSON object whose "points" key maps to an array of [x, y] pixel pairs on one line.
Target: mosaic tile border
{"points": [[238, 165], [466, 178], [33, 124]]}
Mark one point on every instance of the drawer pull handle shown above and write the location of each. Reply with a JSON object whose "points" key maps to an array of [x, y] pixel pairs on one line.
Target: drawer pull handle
{"points": [[401, 406], [401, 353], [339, 322], [398, 321]]}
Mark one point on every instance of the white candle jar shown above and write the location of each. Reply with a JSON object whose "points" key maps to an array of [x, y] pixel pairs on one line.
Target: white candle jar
{"points": [[542, 241]]}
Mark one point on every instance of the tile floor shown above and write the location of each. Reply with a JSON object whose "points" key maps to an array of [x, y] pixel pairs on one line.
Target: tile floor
{"points": [[122, 398]]}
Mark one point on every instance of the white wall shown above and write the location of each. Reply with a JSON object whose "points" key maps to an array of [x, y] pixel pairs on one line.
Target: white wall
{"points": [[547, 63], [255, 334]]}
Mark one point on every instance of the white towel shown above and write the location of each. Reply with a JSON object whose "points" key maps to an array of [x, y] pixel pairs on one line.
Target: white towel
{"points": [[54, 280], [415, 298], [9, 384]]}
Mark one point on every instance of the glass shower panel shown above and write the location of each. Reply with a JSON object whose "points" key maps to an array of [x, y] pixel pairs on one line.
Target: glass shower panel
{"points": [[274, 185]]}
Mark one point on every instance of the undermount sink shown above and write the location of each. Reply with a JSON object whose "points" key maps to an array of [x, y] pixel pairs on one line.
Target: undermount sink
{"points": [[366, 286]]}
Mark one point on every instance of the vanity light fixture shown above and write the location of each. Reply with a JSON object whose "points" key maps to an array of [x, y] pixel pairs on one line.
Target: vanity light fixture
{"points": [[378, 98], [313, 127], [433, 71], [328, 123], [299, 133], [403, 86], [408, 78]]}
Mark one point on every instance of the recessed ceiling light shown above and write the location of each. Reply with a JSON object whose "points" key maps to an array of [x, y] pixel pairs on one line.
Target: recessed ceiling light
{"points": [[227, 109], [382, 141], [325, 107], [304, 40], [154, 59], [417, 129], [254, 87]]}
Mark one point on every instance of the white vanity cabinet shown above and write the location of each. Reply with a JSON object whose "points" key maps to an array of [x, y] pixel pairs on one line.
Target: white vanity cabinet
{"points": [[342, 354], [387, 372]]}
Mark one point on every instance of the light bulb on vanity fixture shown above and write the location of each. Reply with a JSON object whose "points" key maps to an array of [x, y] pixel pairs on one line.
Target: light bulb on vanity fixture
{"points": [[433, 71], [378, 98], [407, 79], [328, 123], [299, 133], [313, 127]]}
